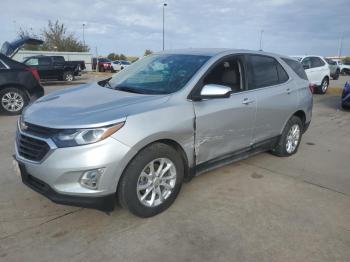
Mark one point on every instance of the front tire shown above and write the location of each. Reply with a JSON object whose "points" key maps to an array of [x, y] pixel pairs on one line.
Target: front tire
{"points": [[13, 101], [68, 76], [289, 141], [151, 181]]}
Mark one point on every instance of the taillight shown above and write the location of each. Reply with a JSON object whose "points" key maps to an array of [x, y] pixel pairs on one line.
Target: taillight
{"points": [[312, 88], [34, 72]]}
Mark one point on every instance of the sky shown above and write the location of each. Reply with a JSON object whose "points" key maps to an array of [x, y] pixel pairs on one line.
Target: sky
{"points": [[290, 27]]}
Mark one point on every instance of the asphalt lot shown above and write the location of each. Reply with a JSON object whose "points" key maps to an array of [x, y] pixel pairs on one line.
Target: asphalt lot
{"points": [[261, 209]]}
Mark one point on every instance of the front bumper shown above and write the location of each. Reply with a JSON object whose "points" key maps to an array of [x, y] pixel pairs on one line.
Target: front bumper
{"points": [[57, 175], [103, 203]]}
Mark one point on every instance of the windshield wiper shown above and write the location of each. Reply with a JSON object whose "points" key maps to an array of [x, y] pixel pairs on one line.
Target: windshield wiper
{"points": [[130, 89]]}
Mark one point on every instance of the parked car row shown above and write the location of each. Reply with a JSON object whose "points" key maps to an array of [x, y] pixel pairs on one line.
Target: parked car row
{"points": [[104, 64]]}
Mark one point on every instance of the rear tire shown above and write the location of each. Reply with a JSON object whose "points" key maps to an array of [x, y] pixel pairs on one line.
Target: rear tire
{"points": [[324, 86], [146, 193], [13, 101], [336, 76], [289, 141]]}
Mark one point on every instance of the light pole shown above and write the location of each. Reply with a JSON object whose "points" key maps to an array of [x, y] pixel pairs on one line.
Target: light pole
{"points": [[164, 5], [261, 36], [340, 45], [84, 35]]}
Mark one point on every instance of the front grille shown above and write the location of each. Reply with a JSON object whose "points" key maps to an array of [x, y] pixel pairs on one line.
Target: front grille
{"points": [[31, 148], [40, 130]]}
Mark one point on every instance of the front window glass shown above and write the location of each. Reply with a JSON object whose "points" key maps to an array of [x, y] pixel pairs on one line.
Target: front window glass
{"points": [[157, 74]]}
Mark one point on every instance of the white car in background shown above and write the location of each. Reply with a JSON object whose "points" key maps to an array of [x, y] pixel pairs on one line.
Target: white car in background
{"points": [[344, 68], [317, 71], [120, 65]]}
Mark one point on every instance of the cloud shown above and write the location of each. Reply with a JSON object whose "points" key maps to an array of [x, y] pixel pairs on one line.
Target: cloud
{"points": [[290, 26]]}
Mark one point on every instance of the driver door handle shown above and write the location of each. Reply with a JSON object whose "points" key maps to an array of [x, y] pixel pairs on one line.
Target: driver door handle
{"points": [[247, 101]]}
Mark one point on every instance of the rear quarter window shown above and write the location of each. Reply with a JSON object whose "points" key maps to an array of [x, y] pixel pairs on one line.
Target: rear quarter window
{"points": [[296, 67]]}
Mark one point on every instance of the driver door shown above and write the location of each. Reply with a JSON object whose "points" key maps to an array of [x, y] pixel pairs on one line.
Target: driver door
{"points": [[225, 125]]}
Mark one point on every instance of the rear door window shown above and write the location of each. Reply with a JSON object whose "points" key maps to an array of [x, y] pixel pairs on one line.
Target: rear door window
{"points": [[265, 71], [58, 59], [316, 62], [44, 61]]}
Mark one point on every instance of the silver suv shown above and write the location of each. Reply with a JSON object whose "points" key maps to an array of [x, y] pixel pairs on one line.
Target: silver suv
{"points": [[137, 136]]}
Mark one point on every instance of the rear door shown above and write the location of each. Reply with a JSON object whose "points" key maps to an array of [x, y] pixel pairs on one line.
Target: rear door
{"points": [[58, 67], [275, 93], [45, 68]]}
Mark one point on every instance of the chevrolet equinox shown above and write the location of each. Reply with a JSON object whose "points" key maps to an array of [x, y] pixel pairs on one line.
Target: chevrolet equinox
{"points": [[136, 136]]}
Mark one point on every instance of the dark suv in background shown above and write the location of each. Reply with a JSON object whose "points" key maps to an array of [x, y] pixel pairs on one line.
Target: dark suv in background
{"points": [[19, 84]]}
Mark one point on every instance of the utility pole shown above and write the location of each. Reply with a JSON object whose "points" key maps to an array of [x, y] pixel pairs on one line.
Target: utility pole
{"points": [[84, 35], [164, 5], [340, 45], [261, 38]]}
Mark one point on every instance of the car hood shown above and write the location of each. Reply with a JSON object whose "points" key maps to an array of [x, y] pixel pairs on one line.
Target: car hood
{"points": [[10, 49], [88, 106]]}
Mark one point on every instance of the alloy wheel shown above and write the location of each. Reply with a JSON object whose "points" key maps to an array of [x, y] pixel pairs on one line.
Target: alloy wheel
{"points": [[324, 86], [12, 101], [293, 137], [156, 182]]}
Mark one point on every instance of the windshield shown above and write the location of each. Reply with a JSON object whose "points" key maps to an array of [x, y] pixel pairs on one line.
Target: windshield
{"points": [[157, 74]]}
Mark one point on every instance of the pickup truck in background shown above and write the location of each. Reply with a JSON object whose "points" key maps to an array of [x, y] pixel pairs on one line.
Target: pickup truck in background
{"points": [[55, 67]]}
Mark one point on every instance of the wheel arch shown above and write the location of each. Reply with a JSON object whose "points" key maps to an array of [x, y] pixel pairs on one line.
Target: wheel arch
{"points": [[170, 142], [299, 113]]}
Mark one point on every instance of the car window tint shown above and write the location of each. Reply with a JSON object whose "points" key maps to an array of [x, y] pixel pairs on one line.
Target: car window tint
{"points": [[59, 59], [296, 67], [44, 61], [316, 62], [306, 62], [32, 62], [282, 74], [227, 73], [264, 71]]}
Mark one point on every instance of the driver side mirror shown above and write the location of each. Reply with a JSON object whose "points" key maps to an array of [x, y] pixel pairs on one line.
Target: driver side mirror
{"points": [[306, 67], [214, 91]]}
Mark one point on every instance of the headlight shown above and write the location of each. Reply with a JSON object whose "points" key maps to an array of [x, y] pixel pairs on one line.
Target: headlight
{"points": [[76, 137]]}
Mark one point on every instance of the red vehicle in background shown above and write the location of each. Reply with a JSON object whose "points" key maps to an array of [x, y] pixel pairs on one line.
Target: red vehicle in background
{"points": [[102, 64]]}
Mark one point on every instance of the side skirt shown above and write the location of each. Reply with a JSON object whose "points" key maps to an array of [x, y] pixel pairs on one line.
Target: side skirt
{"points": [[235, 156]]}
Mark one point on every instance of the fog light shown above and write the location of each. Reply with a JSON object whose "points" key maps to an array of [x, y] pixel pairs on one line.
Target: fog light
{"points": [[90, 178]]}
